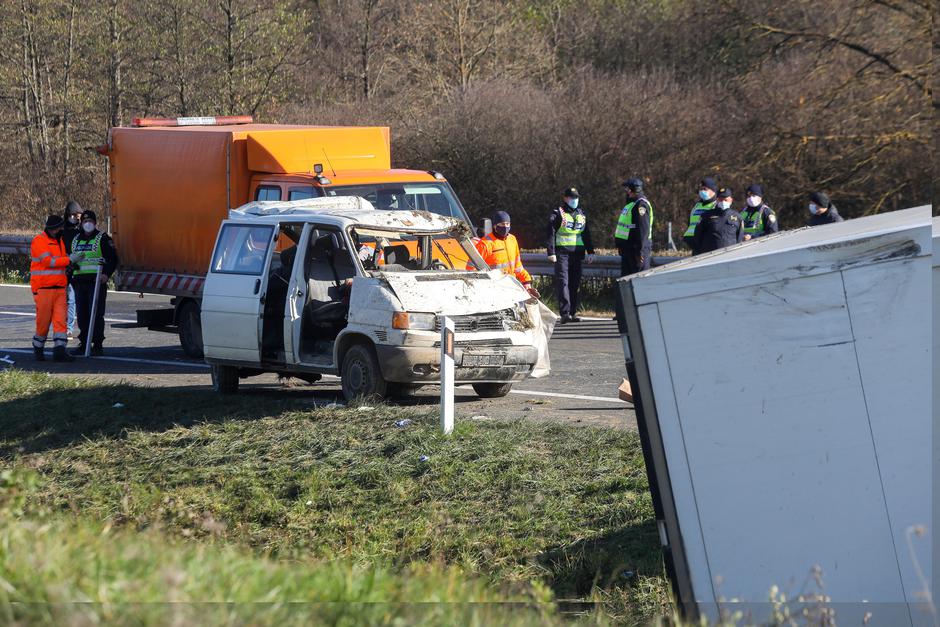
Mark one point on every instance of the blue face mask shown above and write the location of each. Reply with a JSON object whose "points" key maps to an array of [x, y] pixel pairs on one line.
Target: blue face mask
{"points": [[572, 202], [705, 194], [813, 208], [501, 231]]}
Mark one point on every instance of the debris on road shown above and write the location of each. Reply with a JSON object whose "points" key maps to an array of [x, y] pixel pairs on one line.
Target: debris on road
{"points": [[403, 423], [118, 406]]}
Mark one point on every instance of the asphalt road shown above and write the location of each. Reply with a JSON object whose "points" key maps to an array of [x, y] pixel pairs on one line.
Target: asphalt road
{"points": [[586, 358]]}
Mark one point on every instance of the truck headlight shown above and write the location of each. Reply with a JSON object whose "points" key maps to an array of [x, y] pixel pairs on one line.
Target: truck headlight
{"points": [[414, 321]]}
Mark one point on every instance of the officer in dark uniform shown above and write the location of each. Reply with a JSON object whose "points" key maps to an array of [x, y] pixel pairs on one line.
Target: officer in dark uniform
{"points": [[568, 244], [718, 227], [822, 210], [759, 219], [634, 234]]}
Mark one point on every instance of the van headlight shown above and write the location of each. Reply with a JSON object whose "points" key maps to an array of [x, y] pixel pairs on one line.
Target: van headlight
{"points": [[414, 321]]}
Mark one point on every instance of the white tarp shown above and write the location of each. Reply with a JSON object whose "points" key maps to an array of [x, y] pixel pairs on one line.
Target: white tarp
{"points": [[783, 400]]}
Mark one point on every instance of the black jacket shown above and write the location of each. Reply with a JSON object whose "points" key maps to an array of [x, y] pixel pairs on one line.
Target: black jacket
{"points": [[107, 251], [554, 221], [639, 238], [830, 216], [69, 233], [717, 228]]}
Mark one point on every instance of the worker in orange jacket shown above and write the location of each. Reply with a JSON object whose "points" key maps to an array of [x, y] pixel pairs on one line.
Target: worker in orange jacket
{"points": [[47, 279], [500, 250]]}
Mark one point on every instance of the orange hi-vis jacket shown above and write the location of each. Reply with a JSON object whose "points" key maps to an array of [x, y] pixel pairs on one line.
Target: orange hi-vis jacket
{"points": [[48, 262], [503, 254]]}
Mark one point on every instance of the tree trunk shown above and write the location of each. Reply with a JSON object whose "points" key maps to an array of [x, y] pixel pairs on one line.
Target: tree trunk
{"points": [[115, 62], [66, 94]]}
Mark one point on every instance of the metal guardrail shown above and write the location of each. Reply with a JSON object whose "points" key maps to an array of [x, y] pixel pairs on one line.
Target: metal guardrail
{"points": [[535, 263]]}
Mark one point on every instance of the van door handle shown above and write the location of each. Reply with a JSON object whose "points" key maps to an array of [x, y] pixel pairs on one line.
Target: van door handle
{"points": [[257, 285]]}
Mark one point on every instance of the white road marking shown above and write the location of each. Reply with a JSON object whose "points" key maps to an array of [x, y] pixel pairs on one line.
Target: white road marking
{"points": [[133, 360], [580, 397], [32, 315]]}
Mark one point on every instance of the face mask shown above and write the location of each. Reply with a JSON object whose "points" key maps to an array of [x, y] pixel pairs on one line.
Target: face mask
{"points": [[572, 202], [813, 208], [73, 219], [501, 231], [705, 194], [754, 201], [88, 227], [725, 204]]}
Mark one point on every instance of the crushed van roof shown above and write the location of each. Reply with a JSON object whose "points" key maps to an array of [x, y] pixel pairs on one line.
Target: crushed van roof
{"points": [[347, 210]]}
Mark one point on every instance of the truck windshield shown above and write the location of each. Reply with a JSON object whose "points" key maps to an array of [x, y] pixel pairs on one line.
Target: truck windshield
{"points": [[433, 197], [398, 251]]}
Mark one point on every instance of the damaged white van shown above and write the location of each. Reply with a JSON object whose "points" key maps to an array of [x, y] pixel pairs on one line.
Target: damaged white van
{"points": [[332, 286]]}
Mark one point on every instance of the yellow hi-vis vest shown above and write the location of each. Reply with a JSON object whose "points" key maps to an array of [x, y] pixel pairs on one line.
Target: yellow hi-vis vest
{"points": [[625, 222], [569, 231], [696, 215], [92, 249]]}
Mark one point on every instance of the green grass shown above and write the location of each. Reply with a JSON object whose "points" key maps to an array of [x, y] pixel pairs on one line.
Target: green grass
{"points": [[516, 508]]}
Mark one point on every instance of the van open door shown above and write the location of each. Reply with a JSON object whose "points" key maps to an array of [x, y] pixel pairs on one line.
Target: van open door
{"points": [[233, 295]]}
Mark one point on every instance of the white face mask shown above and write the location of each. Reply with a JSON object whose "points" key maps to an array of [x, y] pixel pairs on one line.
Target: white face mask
{"points": [[73, 219], [88, 227], [725, 204], [813, 208], [754, 201]]}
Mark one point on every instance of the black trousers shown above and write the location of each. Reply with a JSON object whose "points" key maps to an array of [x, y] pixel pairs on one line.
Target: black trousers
{"points": [[629, 264], [568, 282], [84, 295]]}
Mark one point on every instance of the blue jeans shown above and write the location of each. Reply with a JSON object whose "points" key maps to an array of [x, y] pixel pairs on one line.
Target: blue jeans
{"points": [[70, 325]]}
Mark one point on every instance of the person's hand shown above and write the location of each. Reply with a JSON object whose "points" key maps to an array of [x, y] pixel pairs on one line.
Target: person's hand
{"points": [[76, 257], [103, 279], [747, 236], [589, 258], [552, 258], [534, 293]]}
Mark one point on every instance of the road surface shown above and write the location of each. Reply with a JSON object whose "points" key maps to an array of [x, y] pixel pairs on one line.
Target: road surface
{"points": [[586, 358]]}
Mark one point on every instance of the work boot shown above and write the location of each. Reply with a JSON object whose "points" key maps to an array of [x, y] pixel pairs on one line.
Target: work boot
{"points": [[39, 354], [565, 319], [97, 350], [60, 354], [78, 351]]}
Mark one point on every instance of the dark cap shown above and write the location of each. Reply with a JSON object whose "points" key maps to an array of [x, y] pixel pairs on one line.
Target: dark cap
{"points": [[634, 184], [819, 199], [710, 183], [72, 207], [725, 192], [500, 216], [88, 214], [755, 189], [571, 192], [54, 222]]}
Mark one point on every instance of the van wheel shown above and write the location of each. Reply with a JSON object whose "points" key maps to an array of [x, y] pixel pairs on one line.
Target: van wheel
{"points": [[224, 379], [492, 390], [190, 329], [362, 377]]}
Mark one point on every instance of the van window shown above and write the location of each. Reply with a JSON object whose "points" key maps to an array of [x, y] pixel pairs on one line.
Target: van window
{"points": [[300, 193], [434, 197], [242, 249], [268, 192]]}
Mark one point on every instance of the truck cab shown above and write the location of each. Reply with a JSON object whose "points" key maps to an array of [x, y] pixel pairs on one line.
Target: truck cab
{"points": [[332, 285]]}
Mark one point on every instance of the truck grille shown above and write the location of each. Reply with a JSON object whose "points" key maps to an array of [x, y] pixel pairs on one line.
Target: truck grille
{"points": [[490, 321]]}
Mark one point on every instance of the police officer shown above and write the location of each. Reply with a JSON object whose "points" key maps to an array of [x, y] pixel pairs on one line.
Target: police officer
{"points": [[98, 250], [822, 210], [759, 219], [718, 227], [706, 201], [568, 244], [634, 234]]}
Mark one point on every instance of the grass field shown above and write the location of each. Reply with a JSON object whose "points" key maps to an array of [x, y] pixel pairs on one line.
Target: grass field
{"points": [[191, 496]]}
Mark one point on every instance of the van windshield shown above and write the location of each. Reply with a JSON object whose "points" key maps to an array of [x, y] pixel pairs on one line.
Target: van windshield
{"points": [[432, 197], [382, 250]]}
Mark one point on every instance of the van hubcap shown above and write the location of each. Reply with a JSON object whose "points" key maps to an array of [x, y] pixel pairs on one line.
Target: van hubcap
{"points": [[357, 375]]}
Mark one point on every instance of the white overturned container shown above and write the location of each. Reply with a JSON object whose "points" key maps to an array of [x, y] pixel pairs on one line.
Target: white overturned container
{"points": [[783, 399]]}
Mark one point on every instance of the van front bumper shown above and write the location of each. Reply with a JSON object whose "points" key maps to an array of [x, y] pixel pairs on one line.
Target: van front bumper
{"points": [[482, 364]]}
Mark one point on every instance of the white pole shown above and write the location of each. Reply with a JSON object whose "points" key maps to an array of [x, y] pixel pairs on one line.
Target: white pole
{"points": [[90, 332], [447, 375]]}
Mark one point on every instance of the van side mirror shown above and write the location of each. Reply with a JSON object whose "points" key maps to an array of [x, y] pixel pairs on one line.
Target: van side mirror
{"points": [[485, 228]]}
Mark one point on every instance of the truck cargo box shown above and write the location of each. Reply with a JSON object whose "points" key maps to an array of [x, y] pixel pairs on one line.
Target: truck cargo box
{"points": [[783, 399]]}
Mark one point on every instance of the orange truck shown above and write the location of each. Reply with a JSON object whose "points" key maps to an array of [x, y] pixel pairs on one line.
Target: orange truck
{"points": [[173, 181]]}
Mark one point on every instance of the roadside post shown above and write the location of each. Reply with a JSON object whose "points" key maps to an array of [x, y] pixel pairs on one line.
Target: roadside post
{"points": [[89, 334], [447, 375]]}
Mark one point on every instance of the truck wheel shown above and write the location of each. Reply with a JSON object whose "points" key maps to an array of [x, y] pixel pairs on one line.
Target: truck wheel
{"points": [[190, 329], [361, 375], [492, 390], [224, 379]]}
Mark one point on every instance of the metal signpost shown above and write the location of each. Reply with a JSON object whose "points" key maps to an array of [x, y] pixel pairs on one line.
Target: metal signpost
{"points": [[447, 375], [90, 333]]}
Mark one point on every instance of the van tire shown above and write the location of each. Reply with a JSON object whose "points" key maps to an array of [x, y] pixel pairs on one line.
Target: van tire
{"points": [[492, 390], [361, 376], [189, 323], [224, 379]]}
